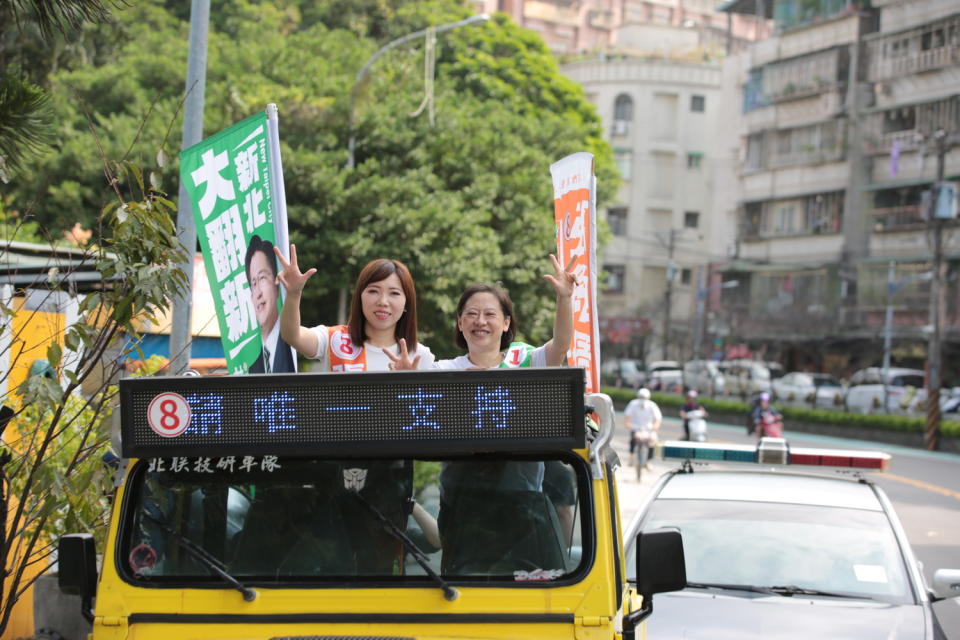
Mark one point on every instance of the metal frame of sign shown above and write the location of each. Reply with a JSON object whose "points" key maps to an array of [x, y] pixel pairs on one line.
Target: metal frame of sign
{"points": [[355, 414]]}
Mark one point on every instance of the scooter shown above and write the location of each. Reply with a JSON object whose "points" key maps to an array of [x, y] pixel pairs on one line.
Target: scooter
{"points": [[697, 425], [770, 425]]}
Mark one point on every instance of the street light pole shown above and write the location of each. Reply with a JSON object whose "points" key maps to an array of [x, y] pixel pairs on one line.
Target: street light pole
{"points": [[668, 292], [354, 92], [892, 287], [351, 144]]}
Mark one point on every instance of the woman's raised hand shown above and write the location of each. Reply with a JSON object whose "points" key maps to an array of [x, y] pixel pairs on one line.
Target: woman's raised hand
{"points": [[402, 362], [564, 281], [290, 276]]}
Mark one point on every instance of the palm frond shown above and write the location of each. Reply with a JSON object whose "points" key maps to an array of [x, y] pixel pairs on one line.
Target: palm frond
{"points": [[58, 15], [25, 121]]}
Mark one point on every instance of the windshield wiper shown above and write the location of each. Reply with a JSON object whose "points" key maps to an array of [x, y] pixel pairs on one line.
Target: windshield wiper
{"points": [[204, 557], [793, 590], [731, 587], [779, 590], [450, 593]]}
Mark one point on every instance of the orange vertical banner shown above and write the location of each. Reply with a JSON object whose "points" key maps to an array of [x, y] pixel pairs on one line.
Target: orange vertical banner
{"points": [[574, 198]]}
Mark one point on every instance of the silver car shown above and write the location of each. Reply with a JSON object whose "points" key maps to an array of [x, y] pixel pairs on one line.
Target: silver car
{"points": [[664, 375], [811, 389], [903, 388], [704, 376], [776, 553]]}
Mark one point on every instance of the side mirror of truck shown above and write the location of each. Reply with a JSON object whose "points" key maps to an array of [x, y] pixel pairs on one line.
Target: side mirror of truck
{"points": [[660, 568], [77, 566]]}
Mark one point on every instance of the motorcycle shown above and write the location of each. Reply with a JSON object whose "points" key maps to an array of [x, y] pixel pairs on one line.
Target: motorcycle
{"points": [[769, 425], [697, 425]]}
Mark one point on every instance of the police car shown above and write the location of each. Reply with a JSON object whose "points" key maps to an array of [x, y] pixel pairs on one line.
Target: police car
{"points": [[773, 550]]}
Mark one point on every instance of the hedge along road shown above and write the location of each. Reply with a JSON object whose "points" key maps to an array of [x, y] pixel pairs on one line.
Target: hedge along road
{"points": [[924, 487]]}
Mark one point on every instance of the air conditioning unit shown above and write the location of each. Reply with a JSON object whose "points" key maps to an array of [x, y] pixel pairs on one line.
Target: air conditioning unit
{"points": [[944, 201], [621, 127]]}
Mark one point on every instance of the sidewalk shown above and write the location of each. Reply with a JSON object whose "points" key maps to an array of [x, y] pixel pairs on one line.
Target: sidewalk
{"points": [[630, 491]]}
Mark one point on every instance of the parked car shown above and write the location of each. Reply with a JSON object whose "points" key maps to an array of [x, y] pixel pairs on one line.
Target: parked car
{"points": [[664, 375], [776, 370], [775, 551], [622, 372], [801, 387], [703, 376], [746, 378], [904, 390]]}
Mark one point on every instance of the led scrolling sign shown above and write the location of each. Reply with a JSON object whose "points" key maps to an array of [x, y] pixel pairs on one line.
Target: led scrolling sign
{"points": [[354, 414]]}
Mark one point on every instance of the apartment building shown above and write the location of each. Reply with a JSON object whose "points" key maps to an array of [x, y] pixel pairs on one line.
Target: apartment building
{"points": [[911, 132], [661, 116], [841, 110], [580, 26]]}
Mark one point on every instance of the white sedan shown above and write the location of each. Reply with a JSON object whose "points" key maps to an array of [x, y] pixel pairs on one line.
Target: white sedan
{"points": [[903, 388], [800, 388], [775, 552]]}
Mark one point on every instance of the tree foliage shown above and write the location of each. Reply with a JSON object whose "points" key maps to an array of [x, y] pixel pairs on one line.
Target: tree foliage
{"points": [[58, 433], [466, 199], [31, 44]]}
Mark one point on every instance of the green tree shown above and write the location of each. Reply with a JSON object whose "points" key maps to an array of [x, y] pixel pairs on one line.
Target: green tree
{"points": [[58, 431], [30, 46], [467, 198]]}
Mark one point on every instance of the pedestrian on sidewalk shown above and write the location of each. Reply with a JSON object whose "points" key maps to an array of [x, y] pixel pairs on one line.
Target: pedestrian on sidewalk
{"points": [[643, 418]]}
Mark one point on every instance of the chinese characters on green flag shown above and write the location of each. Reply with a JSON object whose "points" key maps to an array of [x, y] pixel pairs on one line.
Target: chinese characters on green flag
{"points": [[227, 177]]}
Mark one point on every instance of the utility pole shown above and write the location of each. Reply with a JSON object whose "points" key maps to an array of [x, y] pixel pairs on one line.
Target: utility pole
{"points": [[701, 304], [668, 294], [888, 334], [192, 134], [931, 438]]}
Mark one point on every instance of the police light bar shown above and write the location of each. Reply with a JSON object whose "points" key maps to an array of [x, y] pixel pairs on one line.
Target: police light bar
{"points": [[774, 451]]}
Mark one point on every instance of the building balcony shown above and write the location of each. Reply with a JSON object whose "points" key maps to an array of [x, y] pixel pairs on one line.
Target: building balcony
{"points": [[902, 218], [812, 215], [933, 46], [907, 126], [551, 12], [820, 74], [804, 157]]}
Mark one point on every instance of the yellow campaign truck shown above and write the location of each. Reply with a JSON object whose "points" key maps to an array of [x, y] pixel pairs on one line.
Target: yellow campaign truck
{"points": [[422, 504]]}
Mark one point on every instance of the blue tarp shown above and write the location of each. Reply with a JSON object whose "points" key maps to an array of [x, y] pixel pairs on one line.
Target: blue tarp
{"points": [[159, 344]]}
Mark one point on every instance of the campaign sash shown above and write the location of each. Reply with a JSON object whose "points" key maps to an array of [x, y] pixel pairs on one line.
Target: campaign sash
{"points": [[343, 354]]}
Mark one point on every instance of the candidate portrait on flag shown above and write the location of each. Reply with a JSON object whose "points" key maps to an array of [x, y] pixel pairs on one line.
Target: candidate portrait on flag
{"points": [[261, 267]]}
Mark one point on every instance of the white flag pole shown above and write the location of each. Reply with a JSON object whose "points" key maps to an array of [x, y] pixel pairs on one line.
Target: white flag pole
{"points": [[278, 195], [594, 270]]}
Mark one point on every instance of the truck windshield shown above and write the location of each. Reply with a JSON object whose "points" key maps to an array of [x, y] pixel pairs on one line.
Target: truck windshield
{"points": [[287, 520]]}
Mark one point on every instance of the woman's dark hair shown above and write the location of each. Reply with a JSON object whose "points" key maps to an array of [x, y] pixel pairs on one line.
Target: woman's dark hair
{"points": [[375, 271], [506, 306]]}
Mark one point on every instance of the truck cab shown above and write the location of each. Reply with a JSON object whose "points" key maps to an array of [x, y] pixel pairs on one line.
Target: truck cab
{"points": [[415, 505]]}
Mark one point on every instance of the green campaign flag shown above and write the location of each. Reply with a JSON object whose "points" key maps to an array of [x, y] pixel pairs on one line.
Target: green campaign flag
{"points": [[227, 177]]}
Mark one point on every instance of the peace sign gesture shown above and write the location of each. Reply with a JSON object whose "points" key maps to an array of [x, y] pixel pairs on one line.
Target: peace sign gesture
{"points": [[564, 281], [290, 276], [403, 361]]}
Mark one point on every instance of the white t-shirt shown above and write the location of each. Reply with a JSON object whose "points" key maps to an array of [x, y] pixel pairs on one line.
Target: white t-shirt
{"points": [[538, 358], [642, 414], [377, 360]]}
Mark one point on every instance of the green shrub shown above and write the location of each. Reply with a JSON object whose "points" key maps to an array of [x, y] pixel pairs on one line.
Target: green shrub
{"points": [[798, 414]]}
